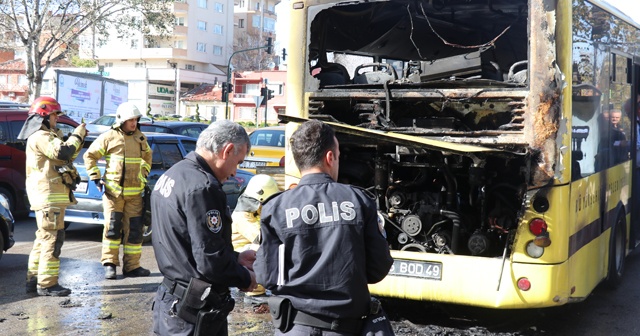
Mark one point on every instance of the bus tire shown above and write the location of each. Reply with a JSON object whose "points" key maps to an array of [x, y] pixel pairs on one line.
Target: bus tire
{"points": [[617, 252]]}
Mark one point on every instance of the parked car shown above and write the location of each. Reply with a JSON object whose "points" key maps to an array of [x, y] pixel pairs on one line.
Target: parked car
{"points": [[191, 129], [103, 123], [7, 104], [13, 159], [167, 149], [6, 226], [267, 148]]}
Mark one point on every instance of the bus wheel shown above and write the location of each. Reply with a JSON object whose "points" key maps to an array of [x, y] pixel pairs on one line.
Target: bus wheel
{"points": [[617, 252]]}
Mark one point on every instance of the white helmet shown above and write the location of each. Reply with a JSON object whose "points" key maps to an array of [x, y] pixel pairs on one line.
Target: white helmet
{"points": [[261, 187], [126, 111]]}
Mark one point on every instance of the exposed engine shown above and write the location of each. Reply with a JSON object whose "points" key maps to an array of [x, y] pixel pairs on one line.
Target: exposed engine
{"points": [[444, 204]]}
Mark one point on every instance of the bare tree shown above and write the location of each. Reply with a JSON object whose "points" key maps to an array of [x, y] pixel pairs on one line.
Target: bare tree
{"points": [[46, 28], [254, 59]]}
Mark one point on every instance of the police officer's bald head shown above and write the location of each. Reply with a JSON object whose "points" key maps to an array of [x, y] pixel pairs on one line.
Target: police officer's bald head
{"points": [[310, 142]]}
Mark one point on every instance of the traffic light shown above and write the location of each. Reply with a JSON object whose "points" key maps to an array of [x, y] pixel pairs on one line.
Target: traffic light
{"points": [[269, 45], [284, 54], [225, 92], [266, 94]]}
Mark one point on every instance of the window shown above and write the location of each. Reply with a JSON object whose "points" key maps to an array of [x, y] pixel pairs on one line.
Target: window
{"points": [[271, 8], [202, 25], [189, 67], [139, 65], [201, 47], [202, 3], [3, 79], [241, 23], [108, 65], [255, 21], [257, 6], [178, 44], [179, 21], [189, 146], [191, 131], [217, 50], [167, 155], [219, 7], [269, 25], [134, 44], [241, 3], [246, 113], [217, 29]]}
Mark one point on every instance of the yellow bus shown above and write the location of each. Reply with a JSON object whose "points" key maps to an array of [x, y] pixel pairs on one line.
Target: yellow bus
{"points": [[499, 137]]}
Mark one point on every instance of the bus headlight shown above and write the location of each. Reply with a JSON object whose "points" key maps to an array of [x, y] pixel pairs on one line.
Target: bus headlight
{"points": [[533, 250]]}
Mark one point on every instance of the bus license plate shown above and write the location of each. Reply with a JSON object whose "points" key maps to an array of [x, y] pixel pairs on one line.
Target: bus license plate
{"points": [[417, 269], [81, 187]]}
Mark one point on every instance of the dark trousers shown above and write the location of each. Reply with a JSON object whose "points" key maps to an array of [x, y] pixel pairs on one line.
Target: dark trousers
{"points": [[302, 330], [166, 323]]}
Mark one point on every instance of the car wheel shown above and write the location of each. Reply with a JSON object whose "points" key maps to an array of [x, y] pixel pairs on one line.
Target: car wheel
{"points": [[146, 228], [617, 252], [9, 196]]}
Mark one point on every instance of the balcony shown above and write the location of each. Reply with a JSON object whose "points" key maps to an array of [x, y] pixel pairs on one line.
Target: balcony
{"points": [[180, 30], [180, 7], [165, 53]]}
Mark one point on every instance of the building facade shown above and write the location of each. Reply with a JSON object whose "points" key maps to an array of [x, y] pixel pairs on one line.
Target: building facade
{"points": [[159, 68], [246, 102]]}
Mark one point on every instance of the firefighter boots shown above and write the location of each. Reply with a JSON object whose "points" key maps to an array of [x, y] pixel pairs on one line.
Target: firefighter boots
{"points": [[109, 271], [55, 290], [138, 272]]}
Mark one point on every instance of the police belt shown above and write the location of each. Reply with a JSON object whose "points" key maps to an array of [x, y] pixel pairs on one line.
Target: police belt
{"points": [[174, 287], [178, 289], [353, 326]]}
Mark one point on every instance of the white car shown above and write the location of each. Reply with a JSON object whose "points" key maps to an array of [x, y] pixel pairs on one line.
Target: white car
{"points": [[104, 123]]}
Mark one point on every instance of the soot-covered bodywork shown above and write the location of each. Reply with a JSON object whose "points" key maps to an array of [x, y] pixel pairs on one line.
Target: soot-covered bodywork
{"points": [[447, 110]]}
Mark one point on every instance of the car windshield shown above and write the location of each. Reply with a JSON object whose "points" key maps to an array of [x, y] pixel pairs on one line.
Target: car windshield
{"points": [[274, 138], [104, 121], [157, 129]]}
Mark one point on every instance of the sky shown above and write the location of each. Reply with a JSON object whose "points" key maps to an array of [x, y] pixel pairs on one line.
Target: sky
{"points": [[629, 7]]}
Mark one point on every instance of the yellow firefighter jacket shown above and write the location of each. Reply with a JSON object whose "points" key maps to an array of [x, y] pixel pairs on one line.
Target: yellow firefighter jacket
{"points": [[47, 155], [128, 161]]}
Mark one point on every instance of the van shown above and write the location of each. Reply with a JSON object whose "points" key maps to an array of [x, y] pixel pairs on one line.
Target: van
{"points": [[13, 159]]}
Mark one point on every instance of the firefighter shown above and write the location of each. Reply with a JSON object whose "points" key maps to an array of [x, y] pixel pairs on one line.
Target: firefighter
{"points": [[246, 222], [128, 157], [51, 179]]}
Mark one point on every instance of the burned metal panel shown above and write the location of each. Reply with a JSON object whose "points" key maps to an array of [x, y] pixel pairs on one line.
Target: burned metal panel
{"points": [[541, 124]]}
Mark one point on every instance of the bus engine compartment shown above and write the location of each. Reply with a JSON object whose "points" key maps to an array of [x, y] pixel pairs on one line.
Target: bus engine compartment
{"points": [[453, 71]]}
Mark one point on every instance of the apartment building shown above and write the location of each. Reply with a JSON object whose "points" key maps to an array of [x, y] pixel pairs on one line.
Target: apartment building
{"points": [[254, 19], [158, 69], [247, 105]]}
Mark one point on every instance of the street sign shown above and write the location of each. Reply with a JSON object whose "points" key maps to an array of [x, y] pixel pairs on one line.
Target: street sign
{"points": [[257, 100]]}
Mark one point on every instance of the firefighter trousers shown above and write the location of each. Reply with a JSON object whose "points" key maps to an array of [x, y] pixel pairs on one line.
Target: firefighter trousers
{"points": [[123, 224], [44, 259]]}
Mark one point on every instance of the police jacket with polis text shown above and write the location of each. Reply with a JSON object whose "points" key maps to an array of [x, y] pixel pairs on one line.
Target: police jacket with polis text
{"points": [[192, 227], [333, 247]]}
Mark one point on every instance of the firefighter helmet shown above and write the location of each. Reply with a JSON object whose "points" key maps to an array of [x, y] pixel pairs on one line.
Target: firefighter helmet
{"points": [[126, 111], [261, 187], [45, 106]]}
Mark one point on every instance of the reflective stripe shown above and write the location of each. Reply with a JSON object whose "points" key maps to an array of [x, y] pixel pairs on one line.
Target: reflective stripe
{"points": [[132, 160], [52, 268], [94, 170], [132, 249], [111, 244]]}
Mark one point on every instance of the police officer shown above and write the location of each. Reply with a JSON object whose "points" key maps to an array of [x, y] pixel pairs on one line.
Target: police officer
{"points": [[51, 178], [192, 236], [321, 242], [128, 157]]}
